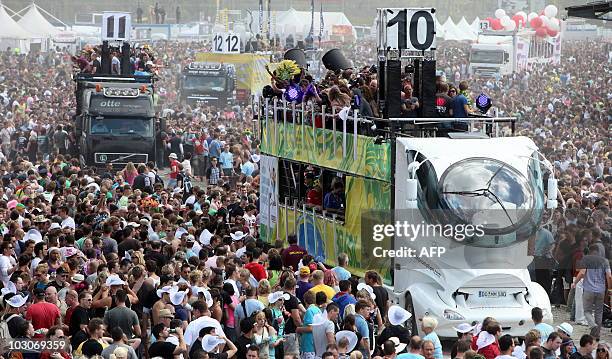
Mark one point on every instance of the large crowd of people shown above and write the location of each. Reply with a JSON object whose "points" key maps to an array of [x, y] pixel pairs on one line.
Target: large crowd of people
{"points": [[126, 262]]}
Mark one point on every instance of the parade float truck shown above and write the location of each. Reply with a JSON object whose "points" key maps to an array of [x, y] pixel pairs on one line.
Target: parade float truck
{"points": [[446, 210], [501, 53], [208, 83], [115, 121], [249, 77]]}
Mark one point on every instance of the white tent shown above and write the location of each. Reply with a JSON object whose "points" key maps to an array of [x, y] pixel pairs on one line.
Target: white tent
{"points": [[11, 33], [466, 30], [297, 23], [439, 29], [476, 25], [451, 32], [34, 22]]}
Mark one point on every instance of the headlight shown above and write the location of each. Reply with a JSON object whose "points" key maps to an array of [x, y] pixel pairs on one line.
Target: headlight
{"points": [[452, 315]]}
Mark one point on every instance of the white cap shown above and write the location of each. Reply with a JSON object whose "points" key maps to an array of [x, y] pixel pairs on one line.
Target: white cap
{"points": [[165, 289], [17, 301], [176, 297], [368, 288], [464, 328], [566, 328], [274, 297], [238, 235], [114, 280], [210, 342]]}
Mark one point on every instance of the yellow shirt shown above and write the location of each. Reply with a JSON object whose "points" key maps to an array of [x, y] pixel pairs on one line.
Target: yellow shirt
{"points": [[329, 291], [79, 350]]}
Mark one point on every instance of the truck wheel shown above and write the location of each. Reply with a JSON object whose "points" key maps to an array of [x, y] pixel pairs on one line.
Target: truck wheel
{"points": [[414, 329]]}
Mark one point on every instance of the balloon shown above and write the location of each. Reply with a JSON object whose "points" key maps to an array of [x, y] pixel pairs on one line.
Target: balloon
{"points": [[554, 24], [511, 26], [551, 32], [550, 11], [536, 22], [523, 15], [496, 24], [499, 13], [545, 20], [518, 20], [505, 21], [541, 32], [531, 16]]}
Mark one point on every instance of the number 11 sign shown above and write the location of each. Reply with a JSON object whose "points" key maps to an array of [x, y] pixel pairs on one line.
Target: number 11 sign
{"points": [[226, 43], [406, 29]]}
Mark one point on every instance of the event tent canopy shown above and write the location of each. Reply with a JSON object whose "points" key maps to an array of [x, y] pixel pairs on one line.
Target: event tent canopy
{"points": [[298, 23], [10, 29], [34, 22], [466, 29]]}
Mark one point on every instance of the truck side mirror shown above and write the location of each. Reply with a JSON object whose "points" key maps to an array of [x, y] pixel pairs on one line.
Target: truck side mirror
{"points": [[506, 57], [162, 124]]}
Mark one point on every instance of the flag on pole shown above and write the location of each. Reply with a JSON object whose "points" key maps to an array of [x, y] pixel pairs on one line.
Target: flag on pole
{"points": [[261, 17], [269, 20], [311, 32], [321, 23]]}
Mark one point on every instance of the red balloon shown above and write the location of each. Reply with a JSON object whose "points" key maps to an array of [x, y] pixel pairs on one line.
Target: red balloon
{"points": [[496, 24], [536, 22], [551, 32], [541, 32], [518, 19]]}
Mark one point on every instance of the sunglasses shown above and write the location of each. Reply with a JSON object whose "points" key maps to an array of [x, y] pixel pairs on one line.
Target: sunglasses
{"points": [[601, 350]]}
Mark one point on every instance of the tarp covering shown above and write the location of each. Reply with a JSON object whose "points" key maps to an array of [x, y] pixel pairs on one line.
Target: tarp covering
{"points": [[35, 23], [10, 29], [466, 30]]}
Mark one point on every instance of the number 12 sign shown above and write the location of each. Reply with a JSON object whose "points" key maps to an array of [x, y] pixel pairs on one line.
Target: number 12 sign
{"points": [[406, 29], [226, 43]]}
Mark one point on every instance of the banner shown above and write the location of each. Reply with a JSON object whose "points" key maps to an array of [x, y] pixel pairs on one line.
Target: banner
{"points": [[268, 200], [342, 30], [309, 145], [325, 238]]}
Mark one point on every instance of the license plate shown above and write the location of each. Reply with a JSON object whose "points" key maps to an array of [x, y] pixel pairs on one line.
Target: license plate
{"points": [[492, 294]]}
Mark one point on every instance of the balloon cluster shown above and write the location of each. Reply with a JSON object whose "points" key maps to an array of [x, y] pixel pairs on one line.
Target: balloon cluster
{"points": [[545, 24]]}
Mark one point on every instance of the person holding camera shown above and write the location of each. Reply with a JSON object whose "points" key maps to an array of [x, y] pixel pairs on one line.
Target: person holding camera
{"points": [[162, 346]]}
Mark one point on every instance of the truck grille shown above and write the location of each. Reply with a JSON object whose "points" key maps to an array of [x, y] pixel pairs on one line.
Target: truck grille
{"points": [[121, 158]]}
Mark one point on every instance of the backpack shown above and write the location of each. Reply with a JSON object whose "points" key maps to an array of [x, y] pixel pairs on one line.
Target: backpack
{"points": [[4, 328], [158, 179]]}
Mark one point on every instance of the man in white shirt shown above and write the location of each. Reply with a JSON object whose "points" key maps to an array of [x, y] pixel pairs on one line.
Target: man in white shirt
{"points": [[506, 346], [6, 266], [67, 221], [115, 64]]}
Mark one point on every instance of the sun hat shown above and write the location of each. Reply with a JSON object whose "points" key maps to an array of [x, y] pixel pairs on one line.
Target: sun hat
{"points": [[351, 336], [464, 328], [368, 288], [274, 297], [210, 342], [398, 315]]}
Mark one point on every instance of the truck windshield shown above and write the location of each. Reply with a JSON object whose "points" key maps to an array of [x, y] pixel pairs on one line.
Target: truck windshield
{"points": [[205, 83], [488, 192], [487, 57], [118, 126]]}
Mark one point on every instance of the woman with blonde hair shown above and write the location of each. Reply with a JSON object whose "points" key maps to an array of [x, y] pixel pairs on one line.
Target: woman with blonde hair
{"points": [[263, 290], [428, 326], [119, 353], [129, 173]]}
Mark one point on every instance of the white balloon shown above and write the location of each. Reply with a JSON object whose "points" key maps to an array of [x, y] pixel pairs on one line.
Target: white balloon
{"points": [[531, 16], [550, 11], [553, 24], [505, 21], [499, 13], [523, 15], [511, 26], [545, 20]]}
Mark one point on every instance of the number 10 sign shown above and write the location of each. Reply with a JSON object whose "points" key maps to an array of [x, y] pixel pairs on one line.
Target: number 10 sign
{"points": [[226, 43], [406, 29]]}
